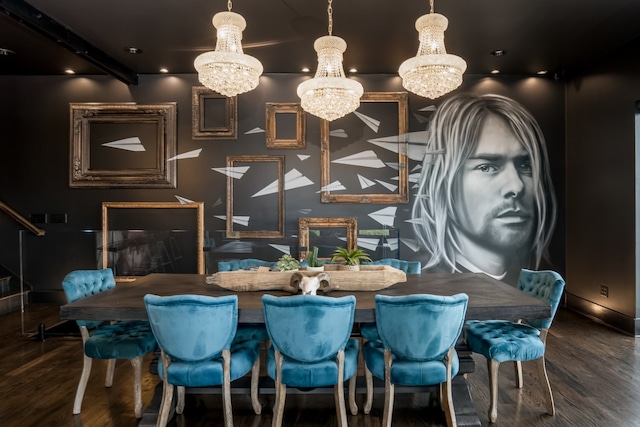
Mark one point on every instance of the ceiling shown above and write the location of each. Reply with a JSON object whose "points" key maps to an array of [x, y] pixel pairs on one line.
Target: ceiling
{"points": [[555, 35]]}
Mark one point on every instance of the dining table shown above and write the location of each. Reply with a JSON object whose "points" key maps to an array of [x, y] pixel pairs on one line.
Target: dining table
{"points": [[489, 298]]}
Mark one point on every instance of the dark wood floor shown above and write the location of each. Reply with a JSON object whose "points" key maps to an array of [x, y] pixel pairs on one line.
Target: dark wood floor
{"points": [[593, 371]]}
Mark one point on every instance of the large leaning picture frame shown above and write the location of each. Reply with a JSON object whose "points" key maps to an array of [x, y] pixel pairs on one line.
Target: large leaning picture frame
{"points": [[198, 208], [356, 132], [122, 145], [350, 224], [214, 116], [268, 173]]}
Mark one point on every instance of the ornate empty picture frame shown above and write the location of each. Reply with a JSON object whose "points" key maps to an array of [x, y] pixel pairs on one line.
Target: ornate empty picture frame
{"points": [[286, 125], [258, 219], [305, 224], [381, 122], [122, 145], [214, 116]]}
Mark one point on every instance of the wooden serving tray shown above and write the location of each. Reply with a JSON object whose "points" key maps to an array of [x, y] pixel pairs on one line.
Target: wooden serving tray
{"points": [[369, 278]]}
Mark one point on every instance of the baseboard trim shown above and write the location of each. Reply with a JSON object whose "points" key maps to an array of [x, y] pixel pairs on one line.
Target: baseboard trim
{"points": [[604, 315]]}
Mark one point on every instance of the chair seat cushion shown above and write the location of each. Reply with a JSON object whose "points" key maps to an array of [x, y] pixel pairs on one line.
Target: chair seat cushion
{"points": [[123, 340], [502, 341], [320, 374], [251, 331], [407, 372], [209, 372], [369, 331]]}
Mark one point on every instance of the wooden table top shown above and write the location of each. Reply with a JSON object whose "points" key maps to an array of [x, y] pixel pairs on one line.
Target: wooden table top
{"points": [[488, 298]]}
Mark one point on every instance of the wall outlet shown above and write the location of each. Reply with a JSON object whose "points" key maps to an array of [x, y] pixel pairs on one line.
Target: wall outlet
{"points": [[604, 291]]}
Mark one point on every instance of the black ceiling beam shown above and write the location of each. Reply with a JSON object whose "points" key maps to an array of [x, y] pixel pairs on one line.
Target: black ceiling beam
{"points": [[35, 20]]}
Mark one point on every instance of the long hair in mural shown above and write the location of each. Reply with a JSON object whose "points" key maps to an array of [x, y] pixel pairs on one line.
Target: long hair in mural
{"points": [[485, 201]]}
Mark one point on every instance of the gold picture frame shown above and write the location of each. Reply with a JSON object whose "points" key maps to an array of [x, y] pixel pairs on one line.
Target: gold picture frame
{"points": [[214, 116], [392, 101], [125, 145], [278, 162], [308, 223], [272, 110], [197, 206]]}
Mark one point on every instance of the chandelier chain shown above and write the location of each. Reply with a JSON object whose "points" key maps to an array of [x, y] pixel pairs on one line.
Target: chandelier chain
{"points": [[430, 3], [229, 5], [330, 13]]}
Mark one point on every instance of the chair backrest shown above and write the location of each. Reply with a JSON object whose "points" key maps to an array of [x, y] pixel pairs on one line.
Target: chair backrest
{"points": [[79, 284], [409, 267], [244, 264], [193, 328], [545, 285], [420, 327], [309, 328]]}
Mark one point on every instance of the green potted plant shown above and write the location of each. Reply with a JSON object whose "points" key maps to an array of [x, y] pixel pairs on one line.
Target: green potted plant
{"points": [[313, 263], [350, 258], [287, 263]]}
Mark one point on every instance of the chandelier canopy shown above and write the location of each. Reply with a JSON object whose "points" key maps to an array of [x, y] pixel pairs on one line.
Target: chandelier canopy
{"points": [[329, 94], [227, 70], [432, 72]]}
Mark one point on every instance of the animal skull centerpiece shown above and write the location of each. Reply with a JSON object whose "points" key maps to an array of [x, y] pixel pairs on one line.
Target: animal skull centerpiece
{"points": [[309, 284]]}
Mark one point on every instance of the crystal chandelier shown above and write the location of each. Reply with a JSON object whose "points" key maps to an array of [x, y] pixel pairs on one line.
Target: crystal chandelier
{"points": [[228, 70], [432, 72], [329, 94]]}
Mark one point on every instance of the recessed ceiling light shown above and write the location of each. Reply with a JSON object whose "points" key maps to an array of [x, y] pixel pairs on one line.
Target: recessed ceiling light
{"points": [[69, 71], [305, 69], [164, 70], [495, 71], [6, 52], [499, 52], [542, 72], [353, 70], [133, 50]]}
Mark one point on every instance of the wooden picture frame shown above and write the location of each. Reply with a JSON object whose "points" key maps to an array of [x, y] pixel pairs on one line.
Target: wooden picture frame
{"points": [[278, 163], [197, 206], [397, 131], [272, 110], [214, 116], [307, 223], [124, 145]]}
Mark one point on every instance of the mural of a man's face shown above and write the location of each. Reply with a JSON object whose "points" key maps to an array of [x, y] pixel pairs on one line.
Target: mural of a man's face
{"points": [[494, 204]]}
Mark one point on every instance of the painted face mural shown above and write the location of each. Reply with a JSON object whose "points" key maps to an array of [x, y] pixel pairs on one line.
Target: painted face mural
{"points": [[485, 201]]}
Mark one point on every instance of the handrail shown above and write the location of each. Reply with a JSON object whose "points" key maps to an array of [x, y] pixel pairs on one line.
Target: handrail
{"points": [[22, 220]]}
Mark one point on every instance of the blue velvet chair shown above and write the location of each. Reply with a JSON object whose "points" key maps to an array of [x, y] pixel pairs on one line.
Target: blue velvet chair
{"points": [[311, 347], [130, 340], [244, 264], [418, 334], [196, 334], [409, 267], [501, 341]]}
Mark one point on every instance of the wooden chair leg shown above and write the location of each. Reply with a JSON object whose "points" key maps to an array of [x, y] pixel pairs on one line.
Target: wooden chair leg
{"points": [[165, 406], [389, 390], [255, 378], [493, 366], [111, 368], [369, 402], [82, 385], [446, 395], [518, 367], [353, 406], [338, 393], [181, 396], [136, 363], [281, 393], [546, 386], [226, 388]]}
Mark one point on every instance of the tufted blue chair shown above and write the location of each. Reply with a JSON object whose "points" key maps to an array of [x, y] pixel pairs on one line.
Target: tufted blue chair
{"points": [[500, 340], [195, 334], [244, 264], [311, 347], [418, 334], [409, 267], [124, 340]]}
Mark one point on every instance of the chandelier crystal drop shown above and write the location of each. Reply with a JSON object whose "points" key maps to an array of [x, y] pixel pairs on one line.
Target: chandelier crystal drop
{"points": [[329, 94], [227, 70], [432, 72]]}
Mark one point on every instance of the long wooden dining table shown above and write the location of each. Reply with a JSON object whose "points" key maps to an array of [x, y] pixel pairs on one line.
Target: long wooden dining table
{"points": [[488, 299]]}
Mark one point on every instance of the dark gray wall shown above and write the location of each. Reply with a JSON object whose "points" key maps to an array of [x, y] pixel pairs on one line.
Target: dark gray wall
{"points": [[602, 190], [34, 165]]}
